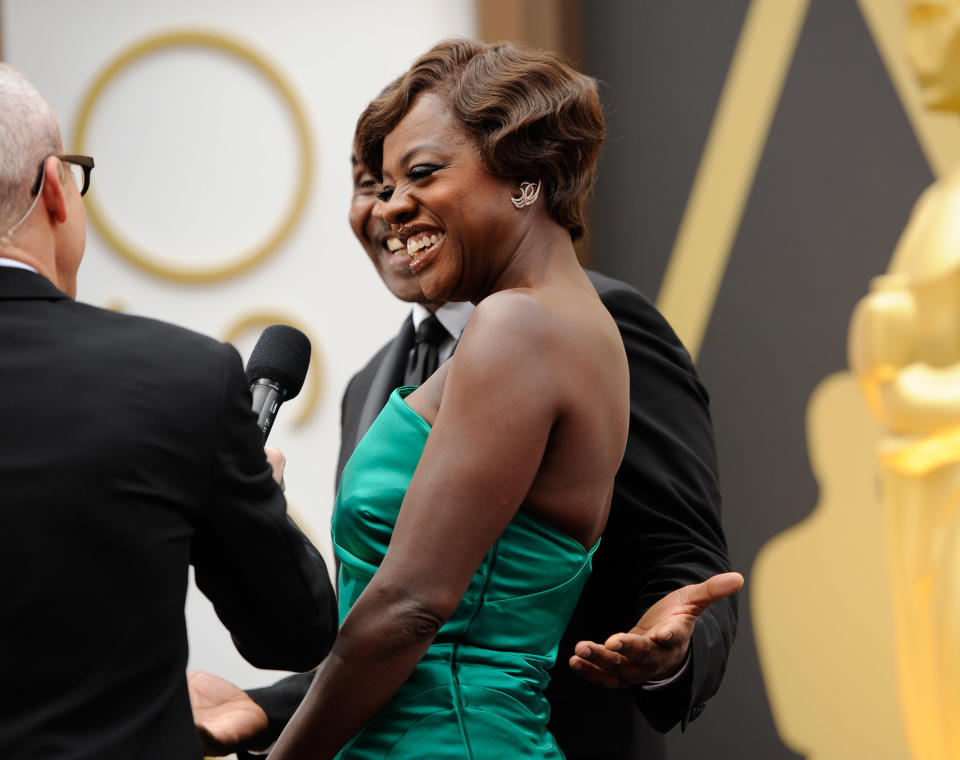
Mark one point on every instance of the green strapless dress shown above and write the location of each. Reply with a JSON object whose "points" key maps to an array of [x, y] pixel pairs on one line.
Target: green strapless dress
{"points": [[478, 692]]}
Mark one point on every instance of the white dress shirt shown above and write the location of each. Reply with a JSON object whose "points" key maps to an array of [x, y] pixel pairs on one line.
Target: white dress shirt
{"points": [[14, 264]]}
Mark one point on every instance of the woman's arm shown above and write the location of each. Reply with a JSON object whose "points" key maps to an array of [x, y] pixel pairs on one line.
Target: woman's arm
{"points": [[499, 403]]}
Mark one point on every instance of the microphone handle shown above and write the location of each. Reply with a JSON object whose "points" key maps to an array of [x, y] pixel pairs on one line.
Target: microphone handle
{"points": [[267, 397]]}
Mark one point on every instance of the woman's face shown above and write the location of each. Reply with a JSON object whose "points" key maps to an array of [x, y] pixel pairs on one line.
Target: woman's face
{"points": [[453, 215]]}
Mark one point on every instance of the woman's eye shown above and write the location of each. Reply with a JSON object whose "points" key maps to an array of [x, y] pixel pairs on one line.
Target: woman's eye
{"points": [[421, 171], [385, 194]]}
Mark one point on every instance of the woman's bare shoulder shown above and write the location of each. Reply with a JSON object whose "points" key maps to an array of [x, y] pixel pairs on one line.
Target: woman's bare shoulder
{"points": [[509, 304], [509, 339], [518, 315]]}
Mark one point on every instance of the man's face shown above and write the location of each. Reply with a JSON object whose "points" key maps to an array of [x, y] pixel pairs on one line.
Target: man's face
{"points": [[388, 254]]}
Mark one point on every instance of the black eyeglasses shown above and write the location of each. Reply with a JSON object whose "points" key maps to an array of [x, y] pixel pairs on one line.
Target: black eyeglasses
{"points": [[79, 166]]}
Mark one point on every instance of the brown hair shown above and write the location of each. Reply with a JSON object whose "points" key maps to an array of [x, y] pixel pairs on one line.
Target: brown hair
{"points": [[531, 116]]}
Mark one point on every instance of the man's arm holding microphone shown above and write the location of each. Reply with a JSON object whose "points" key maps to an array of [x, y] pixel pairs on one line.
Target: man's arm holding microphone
{"points": [[275, 597], [224, 715], [227, 719]]}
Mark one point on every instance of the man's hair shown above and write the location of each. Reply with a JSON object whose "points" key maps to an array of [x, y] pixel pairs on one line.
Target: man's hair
{"points": [[531, 116], [28, 134]]}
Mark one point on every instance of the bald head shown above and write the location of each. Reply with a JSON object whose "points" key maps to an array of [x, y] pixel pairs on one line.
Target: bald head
{"points": [[28, 133]]}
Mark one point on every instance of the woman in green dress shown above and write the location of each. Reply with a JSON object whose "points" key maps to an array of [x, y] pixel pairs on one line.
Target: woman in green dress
{"points": [[467, 517]]}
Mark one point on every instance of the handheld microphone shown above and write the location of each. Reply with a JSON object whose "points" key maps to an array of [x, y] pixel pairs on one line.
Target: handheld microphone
{"points": [[276, 370]]}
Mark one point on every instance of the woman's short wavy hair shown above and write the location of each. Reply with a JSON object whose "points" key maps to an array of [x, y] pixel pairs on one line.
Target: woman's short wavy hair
{"points": [[531, 116]]}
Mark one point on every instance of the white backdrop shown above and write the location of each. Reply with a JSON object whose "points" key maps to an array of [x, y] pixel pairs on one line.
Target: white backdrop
{"points": [[196, 159]]}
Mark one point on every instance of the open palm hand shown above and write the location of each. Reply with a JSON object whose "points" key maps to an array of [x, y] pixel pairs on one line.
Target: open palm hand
{"points": [[656, 647]]}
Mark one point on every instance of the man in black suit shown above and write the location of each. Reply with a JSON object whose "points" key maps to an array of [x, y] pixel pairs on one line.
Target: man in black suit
{"points": [[130, 452], [663, 535]]}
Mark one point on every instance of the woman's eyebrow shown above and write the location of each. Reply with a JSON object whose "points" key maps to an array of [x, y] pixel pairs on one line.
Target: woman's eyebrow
{"points": [[412, 151]]}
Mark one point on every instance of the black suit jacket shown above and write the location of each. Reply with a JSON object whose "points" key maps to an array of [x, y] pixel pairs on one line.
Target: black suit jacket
{"points": [[663, 532], [130, 451]]}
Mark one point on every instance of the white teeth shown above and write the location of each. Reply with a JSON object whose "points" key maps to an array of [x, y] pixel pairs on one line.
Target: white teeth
{"points": [[393, 245], [418, 242]]}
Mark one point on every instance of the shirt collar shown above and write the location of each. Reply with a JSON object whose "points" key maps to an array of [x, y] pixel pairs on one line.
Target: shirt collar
{"points": [[453, 316], [14, 264]]}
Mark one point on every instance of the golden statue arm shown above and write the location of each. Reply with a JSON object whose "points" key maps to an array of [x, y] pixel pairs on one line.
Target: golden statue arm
{"points": [[908, 396]]}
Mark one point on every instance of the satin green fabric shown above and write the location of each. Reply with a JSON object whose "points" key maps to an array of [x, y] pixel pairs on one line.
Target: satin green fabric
{"points": [[478, 692]]}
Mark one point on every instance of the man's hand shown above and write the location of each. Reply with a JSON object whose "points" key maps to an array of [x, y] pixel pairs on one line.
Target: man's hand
{"points": [[278, 463], [224, 715], [657, 645]]}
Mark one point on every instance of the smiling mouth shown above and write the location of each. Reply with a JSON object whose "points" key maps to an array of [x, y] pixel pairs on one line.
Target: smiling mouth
{"points": [[422, 248], [423, 241], [393, 254]]}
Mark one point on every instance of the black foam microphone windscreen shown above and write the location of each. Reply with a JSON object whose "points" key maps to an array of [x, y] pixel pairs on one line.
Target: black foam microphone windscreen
{"points": [[276, 370]]}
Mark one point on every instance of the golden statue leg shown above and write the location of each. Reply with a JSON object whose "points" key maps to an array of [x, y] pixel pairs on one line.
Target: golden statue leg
{"points": [[899, 513], [923, 533], [946, 620]]}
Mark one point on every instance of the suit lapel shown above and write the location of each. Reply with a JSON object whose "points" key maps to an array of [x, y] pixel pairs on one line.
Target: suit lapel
{"points": [[389, 376]]}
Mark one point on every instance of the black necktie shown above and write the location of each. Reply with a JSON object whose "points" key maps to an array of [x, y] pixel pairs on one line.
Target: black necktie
{"points": [[424, 356]]}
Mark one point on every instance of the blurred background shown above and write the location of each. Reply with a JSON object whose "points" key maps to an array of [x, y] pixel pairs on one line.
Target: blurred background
{"points": [[762, 161]]}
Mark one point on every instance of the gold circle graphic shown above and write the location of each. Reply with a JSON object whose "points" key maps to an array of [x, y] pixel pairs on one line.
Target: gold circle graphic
{"points": [[148, 260], [313, 388]]}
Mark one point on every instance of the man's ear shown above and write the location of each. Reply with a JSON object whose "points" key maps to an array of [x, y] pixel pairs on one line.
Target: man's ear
{"points": [[52, 192]]}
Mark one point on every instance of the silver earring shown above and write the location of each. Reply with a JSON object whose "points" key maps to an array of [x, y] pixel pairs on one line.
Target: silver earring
{"points": [[529, 192]]}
